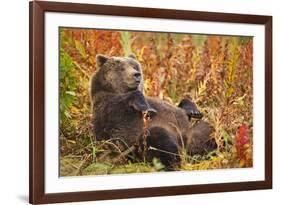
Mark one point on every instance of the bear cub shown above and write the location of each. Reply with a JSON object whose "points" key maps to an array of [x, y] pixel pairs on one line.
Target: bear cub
{"points": [[119, 105]]}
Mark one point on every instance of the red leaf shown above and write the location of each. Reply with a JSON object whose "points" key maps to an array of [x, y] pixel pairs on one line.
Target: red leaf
{"points": [[242, 139]]}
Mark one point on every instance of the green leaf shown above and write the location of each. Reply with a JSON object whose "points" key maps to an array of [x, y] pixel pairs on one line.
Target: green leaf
{"points": [[226, 137], [126, 42], [66, 113], [70, 93], [81, 49], [157, 164]]}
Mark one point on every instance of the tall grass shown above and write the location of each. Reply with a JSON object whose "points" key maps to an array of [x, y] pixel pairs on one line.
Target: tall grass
{"points": [[215, 71]]}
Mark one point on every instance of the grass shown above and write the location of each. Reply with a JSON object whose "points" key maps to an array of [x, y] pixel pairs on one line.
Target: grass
{"points": [[215, 71]]}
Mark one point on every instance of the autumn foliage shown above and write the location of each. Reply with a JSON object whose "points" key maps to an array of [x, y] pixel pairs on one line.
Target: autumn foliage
{"points": [[215, 71]]}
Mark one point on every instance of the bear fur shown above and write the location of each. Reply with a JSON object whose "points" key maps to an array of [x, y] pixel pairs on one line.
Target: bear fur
{"points": [[119, 105]]}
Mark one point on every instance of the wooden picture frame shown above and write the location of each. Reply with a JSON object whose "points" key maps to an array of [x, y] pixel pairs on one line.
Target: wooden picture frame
{"points": [[37, 10]]}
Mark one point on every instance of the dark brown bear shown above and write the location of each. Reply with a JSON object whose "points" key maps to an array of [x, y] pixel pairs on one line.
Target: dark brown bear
{"points": [[119, 105]]}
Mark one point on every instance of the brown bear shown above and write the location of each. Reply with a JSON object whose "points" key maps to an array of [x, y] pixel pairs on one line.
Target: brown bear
{"points": [[118, 112]]}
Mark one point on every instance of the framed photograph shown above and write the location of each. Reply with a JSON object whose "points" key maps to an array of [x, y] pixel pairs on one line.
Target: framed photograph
{"points": [[138, 102]]}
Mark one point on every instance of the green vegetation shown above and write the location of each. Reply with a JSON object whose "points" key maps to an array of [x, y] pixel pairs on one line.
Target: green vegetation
{"points": [[215, 71]]}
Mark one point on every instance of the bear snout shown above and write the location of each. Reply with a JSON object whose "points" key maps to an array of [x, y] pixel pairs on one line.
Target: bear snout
{"points": [[137, 77]]}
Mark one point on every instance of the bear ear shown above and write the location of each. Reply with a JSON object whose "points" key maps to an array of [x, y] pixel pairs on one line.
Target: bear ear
{"points": [[132, 56], [101, 59]]}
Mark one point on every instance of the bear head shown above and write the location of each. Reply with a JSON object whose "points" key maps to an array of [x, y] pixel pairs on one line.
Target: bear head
{"points": [[119, 74]]}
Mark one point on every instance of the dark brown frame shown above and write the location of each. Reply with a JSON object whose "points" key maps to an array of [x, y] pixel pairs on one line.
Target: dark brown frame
{"points": [[37, 95]]}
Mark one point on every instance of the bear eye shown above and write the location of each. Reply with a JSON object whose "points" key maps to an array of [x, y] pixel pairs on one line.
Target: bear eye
{"points": [[136, 68]]}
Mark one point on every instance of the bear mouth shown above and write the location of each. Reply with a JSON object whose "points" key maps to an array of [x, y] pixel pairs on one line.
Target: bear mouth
{"points": [[134, 85]]}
